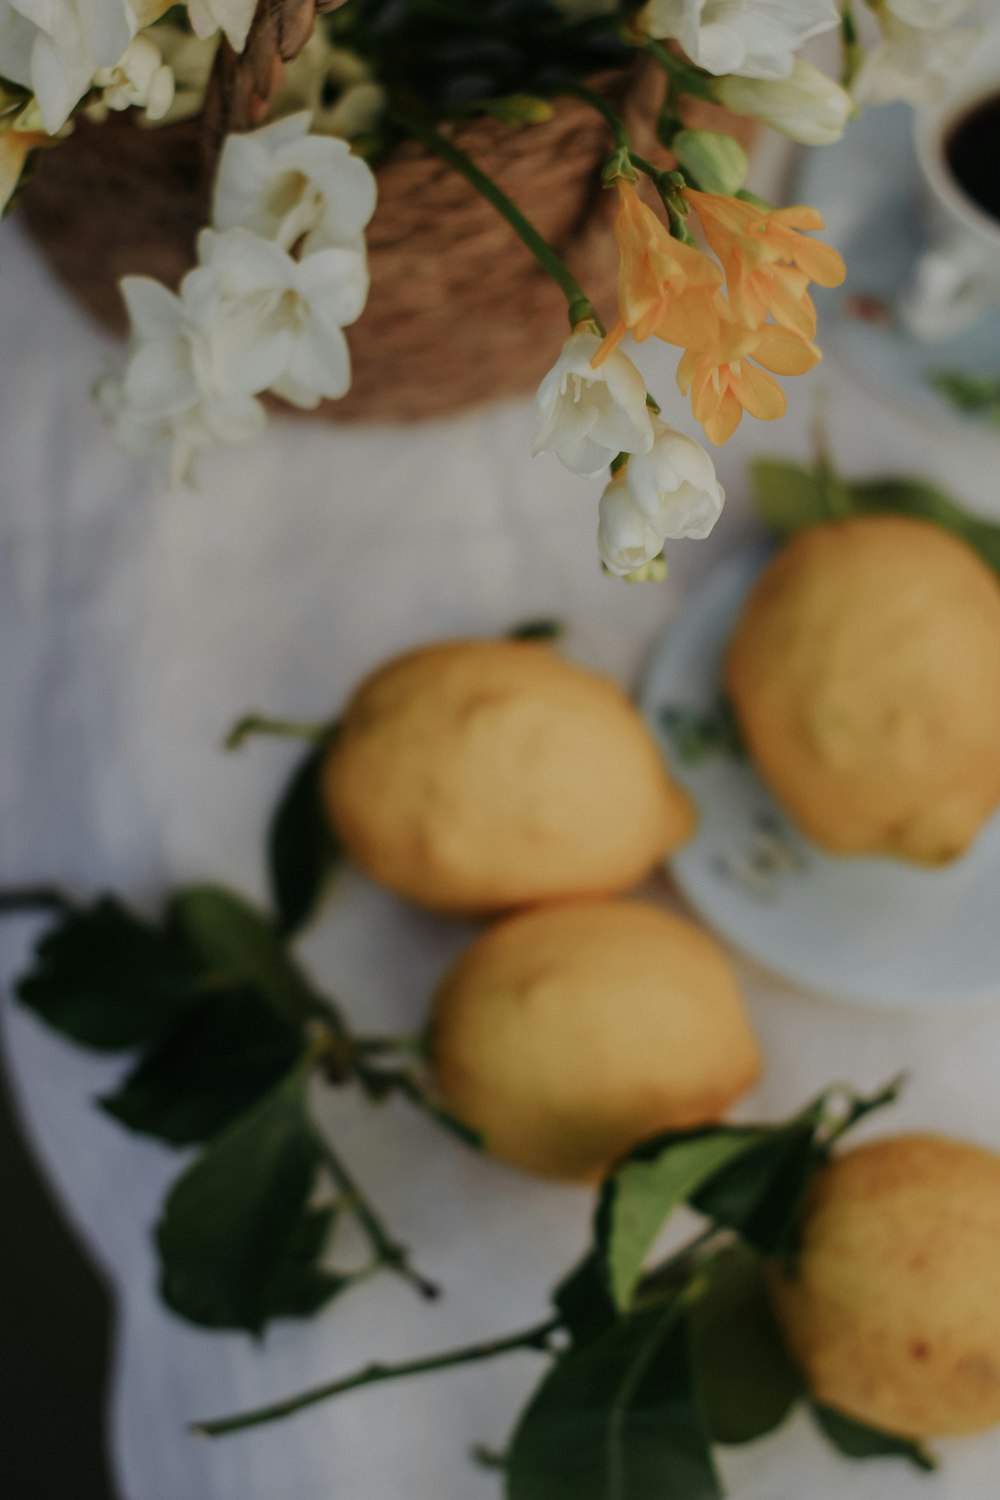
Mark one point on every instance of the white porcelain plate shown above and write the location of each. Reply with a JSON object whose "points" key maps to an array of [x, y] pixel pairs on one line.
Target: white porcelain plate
{"points": [[876, 931]]}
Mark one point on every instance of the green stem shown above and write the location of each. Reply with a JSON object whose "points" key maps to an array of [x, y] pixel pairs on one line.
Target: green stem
{"points": [[533, 1338], [581, 309], [378, 1046], [614, 121], [853, 51], [379, 1082], [253, 724], [390, 1253], [685, 78]]}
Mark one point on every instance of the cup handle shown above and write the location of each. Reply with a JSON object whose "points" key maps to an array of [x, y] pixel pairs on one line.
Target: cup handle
{"points": [[946, 292]]}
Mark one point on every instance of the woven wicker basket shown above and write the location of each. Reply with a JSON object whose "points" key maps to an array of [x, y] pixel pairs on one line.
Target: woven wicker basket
{"points": [[459, 311]]}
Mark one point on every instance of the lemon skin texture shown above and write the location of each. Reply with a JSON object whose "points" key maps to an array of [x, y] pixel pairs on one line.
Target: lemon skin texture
{"points": [[568, 1034], [894, 1313], [864, 673], [475, 776]]}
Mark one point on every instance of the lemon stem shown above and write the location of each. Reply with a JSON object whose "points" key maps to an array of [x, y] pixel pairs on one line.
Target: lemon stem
{"points": [[259, 724], [389, 1252], [536, 1338]]}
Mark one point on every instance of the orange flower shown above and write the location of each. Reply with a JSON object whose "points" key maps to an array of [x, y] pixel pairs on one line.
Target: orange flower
{"points": [[723, 383], [768, 262], [665, 287]]}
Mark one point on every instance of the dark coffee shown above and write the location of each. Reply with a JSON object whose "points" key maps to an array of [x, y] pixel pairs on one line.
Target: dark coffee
{"points": [[972, 149]]}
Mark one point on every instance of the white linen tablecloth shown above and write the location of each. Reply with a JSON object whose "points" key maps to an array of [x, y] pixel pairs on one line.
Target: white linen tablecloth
{"points": [[135, 625]]}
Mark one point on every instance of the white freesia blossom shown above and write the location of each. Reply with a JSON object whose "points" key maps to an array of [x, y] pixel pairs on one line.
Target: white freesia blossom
{"points": [[587, 416], [917, 53], [139, 79], [755, 38], [54, 47], [674, 485], [297, 309], [625, 539], [284, 183], [190, 60], [188, 382], [231, 17], [335, 85], [808, 105]]}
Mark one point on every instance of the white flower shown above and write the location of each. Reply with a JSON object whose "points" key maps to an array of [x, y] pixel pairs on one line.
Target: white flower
{"points": [[54, 47], [190, 60], [913, 60], [808, 106], [335, 85], [186, 385], [284, 184], [231, 17], [587, 416], [293, 311], [674, 486], [625, 539], [140, 78], [755, 38]]}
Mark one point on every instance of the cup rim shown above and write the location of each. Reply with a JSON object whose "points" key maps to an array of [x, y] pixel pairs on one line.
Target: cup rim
{"points": [[930, 131]]}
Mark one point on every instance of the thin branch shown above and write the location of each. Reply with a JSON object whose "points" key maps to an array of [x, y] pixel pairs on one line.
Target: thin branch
{"points": [[254, 724], [391, 1254], [533, 1338]]}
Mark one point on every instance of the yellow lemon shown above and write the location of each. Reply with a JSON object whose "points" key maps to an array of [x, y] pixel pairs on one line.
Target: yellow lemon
{"points": [[568, 1034], [894, 1313], [865, 676], [473, 776]]}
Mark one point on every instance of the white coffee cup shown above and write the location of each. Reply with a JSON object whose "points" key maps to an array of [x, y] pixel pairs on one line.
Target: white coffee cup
{"points": [[957, 276]]}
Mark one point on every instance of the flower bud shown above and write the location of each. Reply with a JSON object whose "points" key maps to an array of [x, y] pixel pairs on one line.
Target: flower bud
{"points": [[808, 106], [625, 539], [674, 486]]}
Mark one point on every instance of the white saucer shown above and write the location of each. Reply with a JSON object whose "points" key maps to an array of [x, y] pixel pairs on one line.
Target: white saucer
{"points": [[868, 188], [871, 930]]}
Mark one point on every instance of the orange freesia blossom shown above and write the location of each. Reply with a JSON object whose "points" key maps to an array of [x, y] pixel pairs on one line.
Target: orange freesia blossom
{"points": [[768, 261], [723, 383], [665, 287]]}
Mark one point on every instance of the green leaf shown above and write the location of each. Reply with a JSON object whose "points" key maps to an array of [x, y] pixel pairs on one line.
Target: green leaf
{"points": [[239, 946], [760, 1193], [108, 979], [978, 395], [583, 1301], [791, 498], [238, 1240], [302, 849], [788, 497], [212, 1066], [642, 1193], [617, 1419], [854, 1440], [746, 1381], [716, 162]]}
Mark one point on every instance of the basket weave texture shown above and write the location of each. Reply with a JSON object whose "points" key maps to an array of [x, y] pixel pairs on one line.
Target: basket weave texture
{"points": [[459, 311]]}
